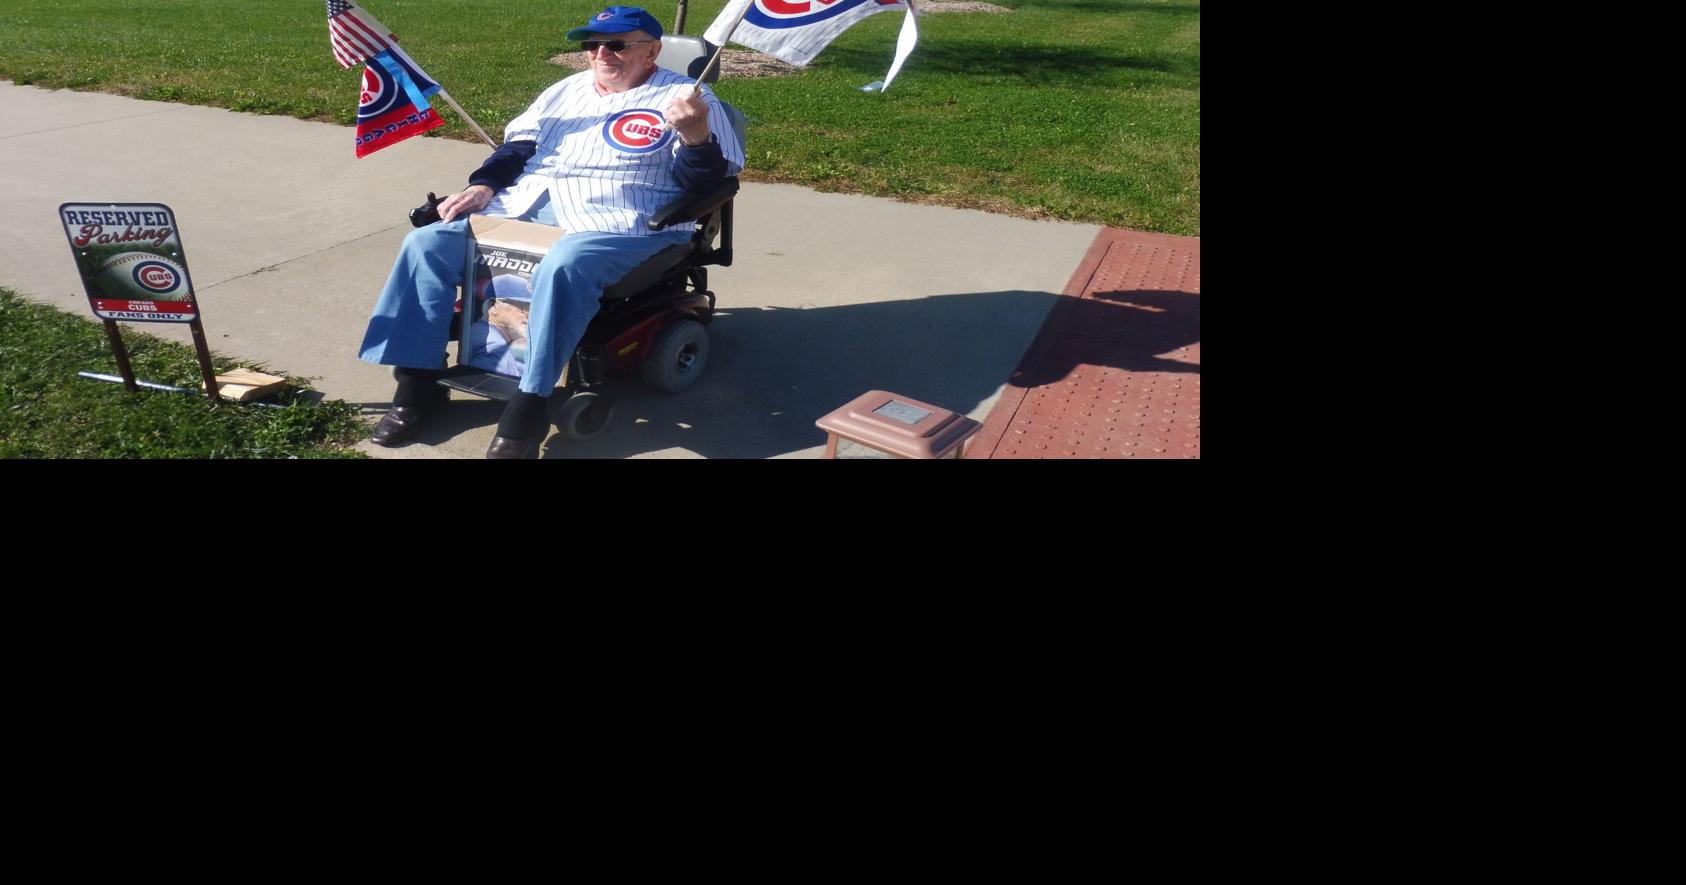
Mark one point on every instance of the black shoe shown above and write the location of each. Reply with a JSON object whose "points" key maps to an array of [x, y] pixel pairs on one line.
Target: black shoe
{"points": [[521, 429], [522, 449], [399, 424]]}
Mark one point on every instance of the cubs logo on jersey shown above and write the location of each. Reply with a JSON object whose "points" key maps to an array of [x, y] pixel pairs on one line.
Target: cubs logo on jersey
{"points": [[637, 131]]}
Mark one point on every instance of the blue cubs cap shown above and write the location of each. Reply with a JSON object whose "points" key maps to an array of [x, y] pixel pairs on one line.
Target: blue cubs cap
{"points": [[509, 287], [619, 20]]}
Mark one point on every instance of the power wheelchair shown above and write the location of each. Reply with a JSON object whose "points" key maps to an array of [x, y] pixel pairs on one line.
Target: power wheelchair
{"points": [[651, 324]]}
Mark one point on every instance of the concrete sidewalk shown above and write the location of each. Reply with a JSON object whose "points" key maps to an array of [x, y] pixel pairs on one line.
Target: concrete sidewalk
{"points": [[289, 239]]}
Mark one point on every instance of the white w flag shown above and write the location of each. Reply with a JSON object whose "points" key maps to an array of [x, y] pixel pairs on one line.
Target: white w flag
{"points": [[796, 30]]}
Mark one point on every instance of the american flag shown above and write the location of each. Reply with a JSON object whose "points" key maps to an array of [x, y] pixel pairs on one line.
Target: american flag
{"points": [[354, 34]]}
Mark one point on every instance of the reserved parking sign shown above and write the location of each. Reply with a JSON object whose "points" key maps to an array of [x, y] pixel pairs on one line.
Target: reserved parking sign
{"points": [[131, 261]]}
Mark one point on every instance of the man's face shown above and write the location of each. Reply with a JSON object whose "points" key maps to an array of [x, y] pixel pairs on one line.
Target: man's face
{"points": [[620, 71]]}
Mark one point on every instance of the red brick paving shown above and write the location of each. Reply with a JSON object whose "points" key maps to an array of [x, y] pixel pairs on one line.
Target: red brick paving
{"points": [[1115, 370]]}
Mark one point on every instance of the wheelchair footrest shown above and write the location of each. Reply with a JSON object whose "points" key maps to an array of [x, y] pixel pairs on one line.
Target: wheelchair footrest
{"points": [[480, 382]]}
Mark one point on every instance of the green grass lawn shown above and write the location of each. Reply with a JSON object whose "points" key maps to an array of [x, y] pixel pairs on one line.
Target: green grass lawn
{"points": [[46, 411], [1086, 110]]}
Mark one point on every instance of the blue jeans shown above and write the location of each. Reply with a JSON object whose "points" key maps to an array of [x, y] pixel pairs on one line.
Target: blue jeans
{"points": [[412, 319]]}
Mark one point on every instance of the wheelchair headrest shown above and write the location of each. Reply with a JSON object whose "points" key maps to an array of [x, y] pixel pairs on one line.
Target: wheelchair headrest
{"points": [[684, 54]]}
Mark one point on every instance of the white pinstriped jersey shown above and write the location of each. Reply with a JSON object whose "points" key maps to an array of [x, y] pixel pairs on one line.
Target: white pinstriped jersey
{"points": [[607, 160]]}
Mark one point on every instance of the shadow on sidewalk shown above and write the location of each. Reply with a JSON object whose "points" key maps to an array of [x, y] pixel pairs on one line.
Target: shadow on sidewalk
{"points": [[774, 371], [1129, 330]]}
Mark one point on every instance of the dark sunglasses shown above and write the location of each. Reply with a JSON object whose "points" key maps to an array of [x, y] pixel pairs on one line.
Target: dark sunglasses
{"points": [[612, 45]]}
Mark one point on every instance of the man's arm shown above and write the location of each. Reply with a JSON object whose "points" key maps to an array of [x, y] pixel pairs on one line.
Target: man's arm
{"points": [[499, 171], [505, 165], [700, 168], [698, 165]]}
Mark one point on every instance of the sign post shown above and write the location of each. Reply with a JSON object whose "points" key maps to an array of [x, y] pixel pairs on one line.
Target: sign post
{"points": [[133, 268]]}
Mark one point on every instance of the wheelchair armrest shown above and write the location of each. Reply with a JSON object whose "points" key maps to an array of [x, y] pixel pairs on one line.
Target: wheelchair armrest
{"points": [[692, 207]]}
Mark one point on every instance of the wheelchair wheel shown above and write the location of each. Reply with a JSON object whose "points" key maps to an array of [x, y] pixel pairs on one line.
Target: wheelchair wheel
{"points": [[581, 416], [678, 357]]}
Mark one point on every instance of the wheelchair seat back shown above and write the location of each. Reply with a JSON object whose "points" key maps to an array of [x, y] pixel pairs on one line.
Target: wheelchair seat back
{"points": [[683, 54], [740, 124]]}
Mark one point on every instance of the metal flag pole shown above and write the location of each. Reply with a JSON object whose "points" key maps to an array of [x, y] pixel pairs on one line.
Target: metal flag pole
{"points": [[679, 20], [696, 89], [464, 114], [153, 385]]}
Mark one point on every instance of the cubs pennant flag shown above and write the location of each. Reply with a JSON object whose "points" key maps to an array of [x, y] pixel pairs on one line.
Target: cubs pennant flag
{"points": [[796, 30], [393, 105], [354, 35]]}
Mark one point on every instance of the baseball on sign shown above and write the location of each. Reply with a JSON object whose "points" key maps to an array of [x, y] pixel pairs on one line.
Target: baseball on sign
{"points": [[142, 275]]}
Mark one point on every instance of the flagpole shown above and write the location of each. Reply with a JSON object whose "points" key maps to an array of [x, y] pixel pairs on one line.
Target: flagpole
{"points": [[696, 88], [464, 114]]}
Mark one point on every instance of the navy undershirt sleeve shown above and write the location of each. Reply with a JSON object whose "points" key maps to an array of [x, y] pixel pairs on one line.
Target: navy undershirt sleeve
{"points": [[504, 165], [699, 169]]}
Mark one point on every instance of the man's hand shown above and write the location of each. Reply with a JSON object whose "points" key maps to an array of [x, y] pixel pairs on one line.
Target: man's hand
{"points": [[509, 319], [688, 115], [475, 198]]}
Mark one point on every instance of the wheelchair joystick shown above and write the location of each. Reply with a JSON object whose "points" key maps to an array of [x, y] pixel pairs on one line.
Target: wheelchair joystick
{"points": [[428, 212]]}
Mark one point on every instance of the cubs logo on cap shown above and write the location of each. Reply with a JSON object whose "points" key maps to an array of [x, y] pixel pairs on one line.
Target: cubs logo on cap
{"points": [[638, 131], [797, 13], [618, 20]]}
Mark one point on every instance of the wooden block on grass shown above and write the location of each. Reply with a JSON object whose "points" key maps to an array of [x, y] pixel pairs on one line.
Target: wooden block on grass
{"points": [[242, 385]]}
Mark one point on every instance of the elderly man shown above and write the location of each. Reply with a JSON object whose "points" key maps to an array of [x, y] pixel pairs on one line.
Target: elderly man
{"points": [[565, 162]]}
